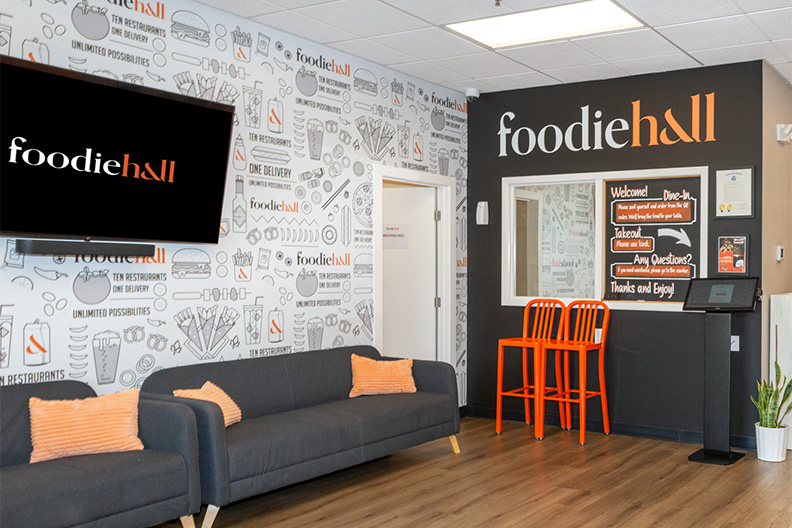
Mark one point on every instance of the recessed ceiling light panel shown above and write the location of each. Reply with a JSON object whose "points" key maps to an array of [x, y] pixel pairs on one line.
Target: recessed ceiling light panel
{"points": [[565, 21]]}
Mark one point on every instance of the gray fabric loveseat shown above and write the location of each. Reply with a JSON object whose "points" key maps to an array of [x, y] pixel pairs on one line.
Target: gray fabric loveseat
{"points": [[129, 489], [298, 421]]}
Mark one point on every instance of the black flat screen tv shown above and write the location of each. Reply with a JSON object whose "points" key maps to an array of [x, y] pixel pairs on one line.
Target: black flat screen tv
{"points": [[85, 157]]}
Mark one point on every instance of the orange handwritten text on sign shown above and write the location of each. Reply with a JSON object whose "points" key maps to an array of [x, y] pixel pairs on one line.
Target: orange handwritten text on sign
{"points": [[653, 212]]}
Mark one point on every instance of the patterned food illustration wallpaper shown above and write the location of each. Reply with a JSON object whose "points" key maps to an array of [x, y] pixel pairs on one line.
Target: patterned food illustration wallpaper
{"points": [[292, 271]]}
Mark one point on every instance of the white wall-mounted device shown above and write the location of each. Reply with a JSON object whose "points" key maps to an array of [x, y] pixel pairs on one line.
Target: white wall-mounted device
{"points": [[784, 133], [482, 213]]}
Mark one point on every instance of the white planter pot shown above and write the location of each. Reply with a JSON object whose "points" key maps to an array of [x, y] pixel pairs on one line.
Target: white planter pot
{"points": [[771, 443]]}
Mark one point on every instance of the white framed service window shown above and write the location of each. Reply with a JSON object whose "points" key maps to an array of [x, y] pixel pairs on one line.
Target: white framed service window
{"points": [[632, 238]]}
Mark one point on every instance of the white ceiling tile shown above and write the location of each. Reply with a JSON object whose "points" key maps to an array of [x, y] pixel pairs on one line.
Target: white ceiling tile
{"points": [[308, 28], [530, 5], [760, 5], [665, 12], [296, 4], [710, 34], [522, 80], [786, 48], [441, 13], [244, 8], [487, 64], [363, 18], [372, 51], [461, 86], [589, 72], [428, 72], [554, 55], [761, 50], [627, 45], [675, 61], [775, 24], [432, 43]]}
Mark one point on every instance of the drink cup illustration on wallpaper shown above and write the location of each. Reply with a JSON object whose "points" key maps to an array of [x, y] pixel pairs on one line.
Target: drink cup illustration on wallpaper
{"points": [[106, 348], [403, 132], [36, 344], [315, 333], [442, 161], [252, 100], [252, 315], [315, 138]]}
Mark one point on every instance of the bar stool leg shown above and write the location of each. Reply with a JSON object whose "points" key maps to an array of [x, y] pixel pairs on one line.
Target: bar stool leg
{"points": [[567, 394], [582, 401], [539, 389], [525, 386], [559, 388], [603, 397], [499, 404]]}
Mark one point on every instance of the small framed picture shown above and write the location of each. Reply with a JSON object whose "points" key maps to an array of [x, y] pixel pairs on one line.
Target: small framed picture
{"points": [[734, 193], [733, 254]]}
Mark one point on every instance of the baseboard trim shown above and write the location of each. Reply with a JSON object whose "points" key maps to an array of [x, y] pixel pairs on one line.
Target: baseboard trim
{"points": [[641, 431]]}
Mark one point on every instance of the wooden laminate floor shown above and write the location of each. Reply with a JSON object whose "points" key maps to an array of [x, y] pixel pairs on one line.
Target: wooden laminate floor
{"points": [[514, 480]]}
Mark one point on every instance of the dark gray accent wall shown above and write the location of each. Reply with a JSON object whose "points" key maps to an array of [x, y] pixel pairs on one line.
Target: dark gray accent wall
{"points": [[655, 361]]}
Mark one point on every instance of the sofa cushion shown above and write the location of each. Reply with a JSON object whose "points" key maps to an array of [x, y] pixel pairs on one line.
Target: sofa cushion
{"points": [[277, 441], [80, 489], [99, 424], [211, 392], [370, 377], [15, 445]]}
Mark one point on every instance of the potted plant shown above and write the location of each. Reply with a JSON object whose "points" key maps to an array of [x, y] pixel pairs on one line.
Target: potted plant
{"points": [[771, 434]]}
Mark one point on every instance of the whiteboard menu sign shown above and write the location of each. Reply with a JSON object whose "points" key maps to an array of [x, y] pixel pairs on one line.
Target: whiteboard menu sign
{"points": [[652, 238]]}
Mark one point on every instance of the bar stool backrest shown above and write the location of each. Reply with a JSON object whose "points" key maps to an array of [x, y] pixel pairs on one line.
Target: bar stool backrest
{"points": [[548, 315], [583, 318]]}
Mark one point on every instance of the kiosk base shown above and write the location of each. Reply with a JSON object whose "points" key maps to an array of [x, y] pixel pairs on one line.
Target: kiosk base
{"points": [[718, 458]]}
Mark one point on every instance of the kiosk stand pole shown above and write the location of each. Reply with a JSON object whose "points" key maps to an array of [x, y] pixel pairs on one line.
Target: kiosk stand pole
{"points": [[717, 388]]}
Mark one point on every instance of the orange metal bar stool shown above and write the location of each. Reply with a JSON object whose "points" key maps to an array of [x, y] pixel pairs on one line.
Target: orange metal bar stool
{"points": [[585, 329], [548, 314]]}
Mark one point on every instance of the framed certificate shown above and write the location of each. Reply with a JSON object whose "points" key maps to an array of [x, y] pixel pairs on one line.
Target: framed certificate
{"points": [[734, 193]]}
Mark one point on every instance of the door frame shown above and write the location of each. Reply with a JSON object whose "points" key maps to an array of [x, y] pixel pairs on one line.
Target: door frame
{"points": [[446, 253]]}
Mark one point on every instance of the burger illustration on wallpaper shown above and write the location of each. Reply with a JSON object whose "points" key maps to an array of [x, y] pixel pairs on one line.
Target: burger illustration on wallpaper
{"points": [[191, 263], [189, 27], [365, 82]]}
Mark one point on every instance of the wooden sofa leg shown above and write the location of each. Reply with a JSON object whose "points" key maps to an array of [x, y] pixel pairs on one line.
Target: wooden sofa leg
{"points": [[209, 517], [187, 521], [454, 444]]}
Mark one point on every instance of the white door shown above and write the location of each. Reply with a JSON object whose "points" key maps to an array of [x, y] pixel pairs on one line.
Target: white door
{"points": [[409, 251]]}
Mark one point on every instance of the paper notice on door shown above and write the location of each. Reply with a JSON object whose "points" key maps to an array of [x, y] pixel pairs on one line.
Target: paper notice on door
{"points": [[395, 236]]}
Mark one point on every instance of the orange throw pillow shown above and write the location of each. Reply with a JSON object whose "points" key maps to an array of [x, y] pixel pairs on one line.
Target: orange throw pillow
{"points": [[101, 424], [370, 376], [211, 392]]}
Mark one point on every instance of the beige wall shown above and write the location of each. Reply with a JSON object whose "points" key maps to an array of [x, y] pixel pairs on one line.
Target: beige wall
{"points": [[776, 197]]}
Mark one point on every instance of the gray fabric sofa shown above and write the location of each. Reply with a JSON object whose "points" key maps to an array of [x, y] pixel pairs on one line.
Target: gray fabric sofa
{"points": [[131, 489], [298, 421]]}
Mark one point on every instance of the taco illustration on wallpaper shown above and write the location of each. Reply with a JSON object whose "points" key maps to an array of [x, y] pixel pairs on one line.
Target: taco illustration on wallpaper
{"points": [[189, 27], [191, 263]]}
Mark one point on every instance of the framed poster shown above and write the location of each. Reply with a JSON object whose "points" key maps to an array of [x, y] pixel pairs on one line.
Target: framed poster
{"points": [[734, 193], [733, 254]]}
